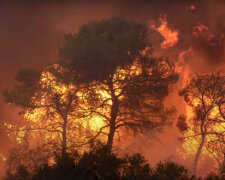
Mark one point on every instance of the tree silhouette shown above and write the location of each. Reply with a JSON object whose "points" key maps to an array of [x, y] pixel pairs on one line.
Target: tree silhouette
{"points": [[136, 167], [204, 94], [168, 170], [100, 163], [51, 107], [113, 58]]}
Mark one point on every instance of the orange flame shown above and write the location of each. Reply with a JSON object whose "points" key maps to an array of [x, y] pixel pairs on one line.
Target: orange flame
{"points": [[193, 137], [46, 128], [170, 36]]}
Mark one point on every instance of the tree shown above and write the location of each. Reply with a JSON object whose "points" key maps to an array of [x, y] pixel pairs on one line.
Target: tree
{"points": [[136, 167], [51, 107], [98, 163], [170, 171], [112, 57], [204, 93]]}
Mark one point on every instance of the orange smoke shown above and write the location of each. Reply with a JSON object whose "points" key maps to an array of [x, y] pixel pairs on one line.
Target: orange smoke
{"points": [[182, 61]]}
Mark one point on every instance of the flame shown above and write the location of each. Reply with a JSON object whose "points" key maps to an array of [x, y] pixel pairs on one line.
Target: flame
{"points": [[192, 134], [3, 157], [192, 140], [44, 124], [170, 36], [42, 128]]}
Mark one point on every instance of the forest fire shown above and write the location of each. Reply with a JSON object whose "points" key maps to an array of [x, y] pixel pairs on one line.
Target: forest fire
{"points": [[203, 135], [126, 96], [44, 122]]}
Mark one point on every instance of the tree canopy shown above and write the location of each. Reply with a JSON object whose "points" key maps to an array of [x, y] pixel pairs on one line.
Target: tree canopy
{"points": [[106, 74], [99, 48], [114, 56], [205, 93], [52, 108]]}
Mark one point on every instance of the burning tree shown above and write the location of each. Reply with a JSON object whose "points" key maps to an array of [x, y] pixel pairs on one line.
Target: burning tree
{"points": [[113, 58], [52, 108], [106, 83], [205, 94]]}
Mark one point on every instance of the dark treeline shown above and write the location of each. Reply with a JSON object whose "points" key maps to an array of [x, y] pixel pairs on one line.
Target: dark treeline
{"points": [[100, 164]]}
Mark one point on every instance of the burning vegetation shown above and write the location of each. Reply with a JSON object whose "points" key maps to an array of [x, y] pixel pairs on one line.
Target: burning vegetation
{"points": [[82, 113]]}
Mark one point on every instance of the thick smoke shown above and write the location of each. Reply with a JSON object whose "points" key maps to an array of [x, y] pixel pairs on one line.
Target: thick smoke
{"points": [[31, 34]]}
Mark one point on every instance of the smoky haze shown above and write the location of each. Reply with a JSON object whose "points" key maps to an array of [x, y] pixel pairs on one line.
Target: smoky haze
{"points": [[31, 33]]}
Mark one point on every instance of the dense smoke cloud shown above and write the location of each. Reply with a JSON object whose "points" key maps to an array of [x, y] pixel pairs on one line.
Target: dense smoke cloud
{"points": [[31, 34]]}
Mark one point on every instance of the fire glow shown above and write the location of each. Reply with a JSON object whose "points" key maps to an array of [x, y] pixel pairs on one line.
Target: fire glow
{"points": [[187, 46], [170, 36]]}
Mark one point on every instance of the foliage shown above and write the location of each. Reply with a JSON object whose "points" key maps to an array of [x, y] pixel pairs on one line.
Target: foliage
{"points": [[99, 48], [113, 57], [170, 171], [136, 167], [205, 94], [106, 74], [52, 108], [22, 92], [182, 123], [100, 163]]}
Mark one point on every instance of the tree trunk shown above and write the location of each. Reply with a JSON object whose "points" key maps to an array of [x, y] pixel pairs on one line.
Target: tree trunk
{"points": [[64, 137], [112, 128], [199, 150], [113, 117], [197, 155], [111, 135]]}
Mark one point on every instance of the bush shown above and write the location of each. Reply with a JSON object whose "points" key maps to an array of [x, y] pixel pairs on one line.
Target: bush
{"points": [[100, 164], [136, 167], [170, 171]]}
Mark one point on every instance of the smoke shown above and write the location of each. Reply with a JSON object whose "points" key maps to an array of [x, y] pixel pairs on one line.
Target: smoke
{"points": [[31, 34]]}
